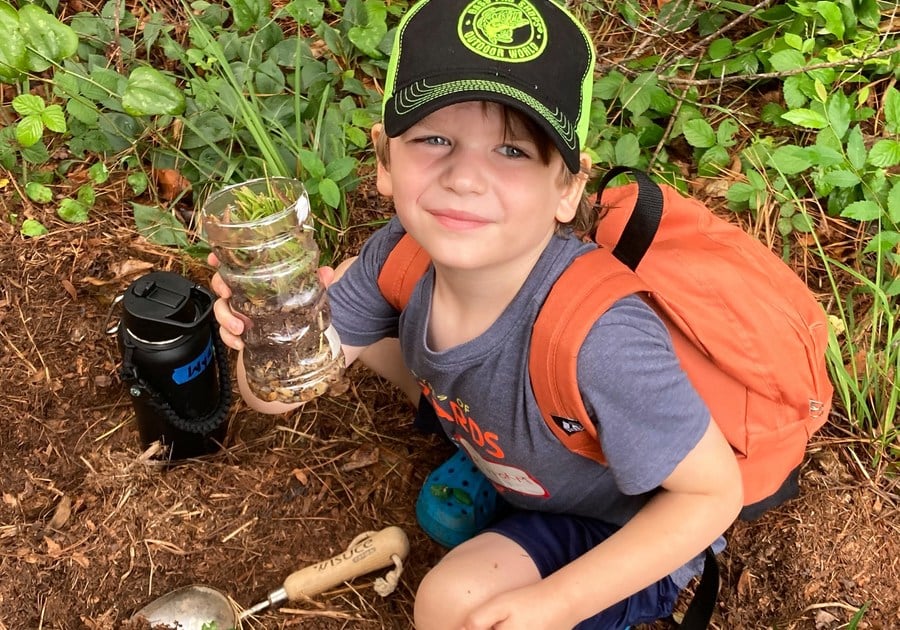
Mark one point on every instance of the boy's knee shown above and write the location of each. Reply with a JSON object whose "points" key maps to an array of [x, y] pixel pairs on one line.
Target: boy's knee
{"points": [[443, 598], [468, 576]]}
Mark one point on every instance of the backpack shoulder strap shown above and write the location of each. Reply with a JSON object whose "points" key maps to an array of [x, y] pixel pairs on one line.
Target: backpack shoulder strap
{"points": [[643, 223], [402, 269], [584, 291]]}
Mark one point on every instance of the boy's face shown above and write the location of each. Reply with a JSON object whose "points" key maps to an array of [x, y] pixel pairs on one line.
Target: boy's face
{"points": [[471, 193]]}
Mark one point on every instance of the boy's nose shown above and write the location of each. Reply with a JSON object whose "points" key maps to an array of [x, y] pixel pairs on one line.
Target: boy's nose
{"points": [[464, 173]]}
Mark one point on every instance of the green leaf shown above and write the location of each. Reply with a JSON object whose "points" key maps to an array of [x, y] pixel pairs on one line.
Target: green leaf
{"points": [[699, 133], [38, 192], [720, 48], [340, 168], [713, 161], [330, 192], [312, 164], [159, 226], [787, 60], [306, 11], [843, 178], [862, 211], [839, 113], [32, 228], [885, 153], [822, 155], [834, 19], [54, 118], [790, 159], [892, 110], [802, 222], [28, 105], [806, 118], [248, 12], [73, 211], [794, 96], [893, 203], [48, 40], [86, 195], [98, 172], [628, 150], [29, 130], [739, 192], [138, 183], [13, 56], [149, 92], [725, 133], [856, 149], [637, 96]]}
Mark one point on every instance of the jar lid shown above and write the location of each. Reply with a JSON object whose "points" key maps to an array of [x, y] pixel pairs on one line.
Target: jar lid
{"points": [[162, 306]]}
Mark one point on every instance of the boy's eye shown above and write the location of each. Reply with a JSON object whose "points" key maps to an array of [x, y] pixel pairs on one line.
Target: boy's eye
{"points": [[435, 140], [512, 151]]}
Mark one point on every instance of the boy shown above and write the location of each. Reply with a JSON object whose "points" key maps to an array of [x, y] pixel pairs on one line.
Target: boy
{"points": [[485, 114]]}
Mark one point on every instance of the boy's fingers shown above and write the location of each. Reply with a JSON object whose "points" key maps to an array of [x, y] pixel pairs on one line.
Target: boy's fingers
{"points": [[217, 284], [228, 320], [213, 260], [326, 275]]}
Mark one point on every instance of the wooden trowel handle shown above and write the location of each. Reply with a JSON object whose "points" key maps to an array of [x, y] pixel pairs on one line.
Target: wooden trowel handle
{"points": [[364, 556]]}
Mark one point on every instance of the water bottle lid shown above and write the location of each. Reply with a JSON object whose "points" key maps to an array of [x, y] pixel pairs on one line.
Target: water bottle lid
{"points": [[162, 306]]}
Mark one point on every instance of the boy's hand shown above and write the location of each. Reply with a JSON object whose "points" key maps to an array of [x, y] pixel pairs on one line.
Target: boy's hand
{"points": [[526, 608], [231, 324]]}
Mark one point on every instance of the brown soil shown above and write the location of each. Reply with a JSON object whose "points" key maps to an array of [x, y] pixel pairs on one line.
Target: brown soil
{"points": [[92, 528]]}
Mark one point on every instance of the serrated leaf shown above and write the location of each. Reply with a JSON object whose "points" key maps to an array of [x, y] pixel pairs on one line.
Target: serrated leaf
{"points": [[856, 149], [628, 150], [790, 159], [54, 118], [885, 153], [822, 155], [892, 110], [794, 96], [713, 161], [802, 222], [138, 183], [73, 211], [893, 203], [29, 130], [82, 113], [862, 211], [28, 105], [806, 118], [739, 192], [330, 192], [787, 60], [32, 228], [699, 133], [159, 226], [839, 113], [38, 192], [720, 48], [834, 19], [842, 178]]}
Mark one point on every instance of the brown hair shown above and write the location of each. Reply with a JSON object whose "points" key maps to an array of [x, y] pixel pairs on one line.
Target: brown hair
{"points": [[585, 217]]}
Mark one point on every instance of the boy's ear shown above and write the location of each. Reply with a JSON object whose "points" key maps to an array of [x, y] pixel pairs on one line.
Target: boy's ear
{"points": [[382, 174], [574, 191]]}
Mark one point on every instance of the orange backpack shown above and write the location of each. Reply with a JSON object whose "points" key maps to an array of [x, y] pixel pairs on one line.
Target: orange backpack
{"points": [[748, 332]]}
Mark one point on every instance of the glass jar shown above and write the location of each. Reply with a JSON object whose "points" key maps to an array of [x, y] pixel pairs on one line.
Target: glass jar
{"points": [[269, 259]]}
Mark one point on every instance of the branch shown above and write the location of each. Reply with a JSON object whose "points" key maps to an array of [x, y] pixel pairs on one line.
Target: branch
{"points": [[784, 73]]}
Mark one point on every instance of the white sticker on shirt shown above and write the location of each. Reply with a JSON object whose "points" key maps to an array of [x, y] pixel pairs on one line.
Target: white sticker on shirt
{"points": [[507, 477]]}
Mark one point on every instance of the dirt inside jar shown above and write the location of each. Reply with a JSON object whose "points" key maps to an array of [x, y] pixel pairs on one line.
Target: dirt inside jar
{"points": [[291, 352]]}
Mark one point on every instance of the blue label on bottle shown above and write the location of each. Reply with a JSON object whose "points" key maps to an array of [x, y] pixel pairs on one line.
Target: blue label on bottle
{"points": [[195, 368]]}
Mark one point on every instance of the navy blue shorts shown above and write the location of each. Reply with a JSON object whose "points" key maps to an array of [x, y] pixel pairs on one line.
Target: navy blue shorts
{"points": [[555, 540]]}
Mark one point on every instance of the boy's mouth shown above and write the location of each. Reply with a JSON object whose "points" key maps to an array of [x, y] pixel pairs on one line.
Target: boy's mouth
{"points": [[458, 219]]}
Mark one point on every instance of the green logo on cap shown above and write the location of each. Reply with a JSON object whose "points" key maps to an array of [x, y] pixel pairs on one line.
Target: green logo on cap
{"points": [[503, 30]]}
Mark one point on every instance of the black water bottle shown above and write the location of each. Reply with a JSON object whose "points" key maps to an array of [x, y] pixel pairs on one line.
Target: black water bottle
{"points": [[174, 364]]}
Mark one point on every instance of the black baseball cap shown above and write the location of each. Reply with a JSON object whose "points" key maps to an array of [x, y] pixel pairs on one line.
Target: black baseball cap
{"points": [[531, 55]]}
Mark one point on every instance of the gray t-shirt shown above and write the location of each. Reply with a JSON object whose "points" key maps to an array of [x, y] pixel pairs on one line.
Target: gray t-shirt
{"points": [[648, 414]]}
